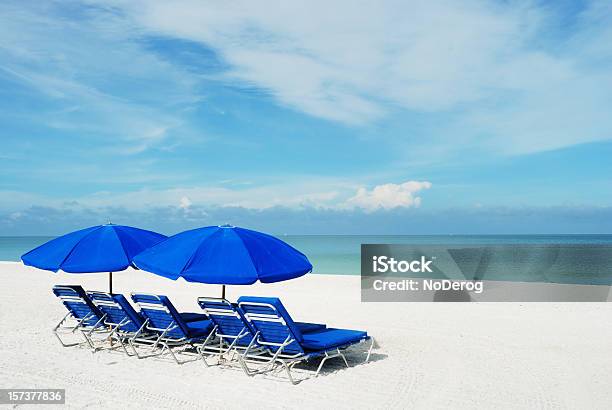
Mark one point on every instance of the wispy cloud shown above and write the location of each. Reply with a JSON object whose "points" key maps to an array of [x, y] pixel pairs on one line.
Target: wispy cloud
{"points": [[95, 77], [519, 85], [503, 74]]}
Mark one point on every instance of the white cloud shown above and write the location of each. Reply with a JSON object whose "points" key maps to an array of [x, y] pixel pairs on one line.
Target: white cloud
{"points": [[312, 192], [516, 90], [343, 61], [322, 193], [185, 203], [92, 75], [502, 76], [389, 196]]}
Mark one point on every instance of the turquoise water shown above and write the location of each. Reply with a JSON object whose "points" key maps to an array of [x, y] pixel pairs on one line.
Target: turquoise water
{"points": [[340, 255], [12, 247]]}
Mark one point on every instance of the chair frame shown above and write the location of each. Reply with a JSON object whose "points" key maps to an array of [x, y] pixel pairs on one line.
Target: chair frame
{"points": [[272, 357], [124, 337], [86, 331], [218, 350], [163, 340]]}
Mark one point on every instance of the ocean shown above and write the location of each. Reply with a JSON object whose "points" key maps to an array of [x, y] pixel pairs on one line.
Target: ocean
{"points": [[340, 254]]}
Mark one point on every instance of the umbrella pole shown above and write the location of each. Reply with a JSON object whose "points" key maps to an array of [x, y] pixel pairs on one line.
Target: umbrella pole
{"points": [[110, 290], [222, 291]]}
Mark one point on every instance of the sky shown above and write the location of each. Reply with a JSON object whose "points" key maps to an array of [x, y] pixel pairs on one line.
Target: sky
{"points": [[314, 117]]}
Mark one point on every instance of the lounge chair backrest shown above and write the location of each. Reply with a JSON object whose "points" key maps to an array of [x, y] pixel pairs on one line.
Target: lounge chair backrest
{"points": [[269, 317], [225, 316], [118, 311], [78, 303], [161, 314]]}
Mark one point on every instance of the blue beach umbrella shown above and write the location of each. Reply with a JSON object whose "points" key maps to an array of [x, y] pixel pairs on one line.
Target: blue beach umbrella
{"points": [[224, 255], [104, 248]]}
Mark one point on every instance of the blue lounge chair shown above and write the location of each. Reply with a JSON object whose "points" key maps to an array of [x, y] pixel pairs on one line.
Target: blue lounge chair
{"points": [[230, 328], [82, 315], [286, 344], [172, 329], [231, 325], [123, 320]]}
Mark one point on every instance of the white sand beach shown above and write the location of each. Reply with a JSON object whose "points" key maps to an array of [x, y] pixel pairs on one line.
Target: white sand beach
{"points": [[444, 355]]}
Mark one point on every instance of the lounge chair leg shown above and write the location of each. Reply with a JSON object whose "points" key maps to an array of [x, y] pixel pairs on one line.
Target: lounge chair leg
{"points": [[244, 366], [136, 352], [321, 365], [56, 333], [164, 347], [243, 356], [288, 370], [158, 341], [64, 343], [343, 357], [169, 349], [81, 321], [152, 351], [273, 360], [202, 347], [108, 338], [132, 340], [230, 349], [171, 353], [193, 358], [123, 346], [88, 335], [89, 342], [124, 341], [370, 350], [200, 350]]}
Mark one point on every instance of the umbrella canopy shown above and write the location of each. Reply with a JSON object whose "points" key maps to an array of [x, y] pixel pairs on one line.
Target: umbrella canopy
{"points": [[224, 255], [104, 248]]}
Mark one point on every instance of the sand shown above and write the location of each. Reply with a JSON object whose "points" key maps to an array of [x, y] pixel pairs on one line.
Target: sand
{"points": [[443, 355]]}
